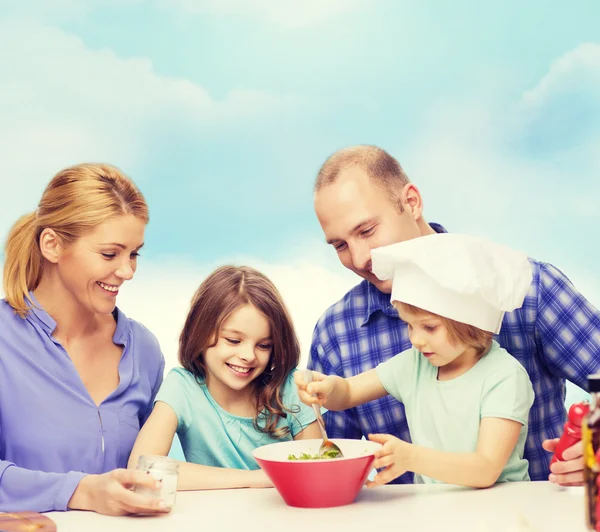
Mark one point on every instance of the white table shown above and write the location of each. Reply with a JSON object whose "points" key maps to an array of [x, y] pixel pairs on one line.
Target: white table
{"points": [[513, 507]]}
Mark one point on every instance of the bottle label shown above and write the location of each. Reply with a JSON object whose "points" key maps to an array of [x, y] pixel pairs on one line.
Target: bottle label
{"points": [[590, 472]]}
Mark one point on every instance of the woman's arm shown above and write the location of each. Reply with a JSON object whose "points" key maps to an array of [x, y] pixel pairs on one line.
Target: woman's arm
{"points": [[156, 438], [23, 489], [26, 490], [480, 469]]}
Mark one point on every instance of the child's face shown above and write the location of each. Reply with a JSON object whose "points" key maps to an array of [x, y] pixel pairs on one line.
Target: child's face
{"points": [[242, 351], [429, 335]]}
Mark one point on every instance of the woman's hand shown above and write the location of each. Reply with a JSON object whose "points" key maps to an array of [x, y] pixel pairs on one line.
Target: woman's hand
{"points": [[111, 494]]}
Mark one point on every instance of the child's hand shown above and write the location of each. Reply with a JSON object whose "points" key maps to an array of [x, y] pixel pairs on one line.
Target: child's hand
{"points": [[393, 457], [317, 391]]}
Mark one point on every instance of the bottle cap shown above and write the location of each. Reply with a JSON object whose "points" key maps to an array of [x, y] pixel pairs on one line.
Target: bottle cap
{"points": [[594, 383]]}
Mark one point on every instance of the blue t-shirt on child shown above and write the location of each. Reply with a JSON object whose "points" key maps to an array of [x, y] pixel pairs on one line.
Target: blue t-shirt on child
{"points": [[212, 436]]}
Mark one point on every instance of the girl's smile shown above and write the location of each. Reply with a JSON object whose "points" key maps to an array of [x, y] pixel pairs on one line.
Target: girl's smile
{"points": [[240, 355], [239, 370]]}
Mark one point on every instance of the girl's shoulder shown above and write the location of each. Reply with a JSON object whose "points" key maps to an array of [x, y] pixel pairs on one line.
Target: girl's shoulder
{"points": [[183, 376]]}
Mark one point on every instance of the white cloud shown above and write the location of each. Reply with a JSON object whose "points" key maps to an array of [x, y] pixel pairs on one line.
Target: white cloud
{"points": [[477, 176], [506, 163], [63, 103], [57, 10], [578, 67], [287, 13]]}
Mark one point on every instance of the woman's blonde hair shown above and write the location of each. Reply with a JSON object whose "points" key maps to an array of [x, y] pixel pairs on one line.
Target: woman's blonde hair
{"points": [[222, 293], [76, 200]]}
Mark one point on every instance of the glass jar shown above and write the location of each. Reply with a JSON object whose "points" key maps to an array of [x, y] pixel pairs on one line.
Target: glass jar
{"points": [[590, 436], [164, 469]]}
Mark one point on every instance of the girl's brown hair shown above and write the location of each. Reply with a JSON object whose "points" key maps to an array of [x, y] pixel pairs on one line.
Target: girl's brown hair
{"points": [[75, 201], [458, 333], [219, 295]]}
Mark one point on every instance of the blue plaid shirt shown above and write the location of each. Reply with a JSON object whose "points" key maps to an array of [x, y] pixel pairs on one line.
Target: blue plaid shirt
{"points": [[555, 335]]}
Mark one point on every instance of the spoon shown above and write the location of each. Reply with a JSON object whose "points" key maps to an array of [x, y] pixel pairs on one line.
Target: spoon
{"points": [[327, 447]]}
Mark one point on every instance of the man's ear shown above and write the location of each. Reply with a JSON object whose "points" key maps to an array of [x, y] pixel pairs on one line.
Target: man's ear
{"points": [[412, 200], [50, 245]]}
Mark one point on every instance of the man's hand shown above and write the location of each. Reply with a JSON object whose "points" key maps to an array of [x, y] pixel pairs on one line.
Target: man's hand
{"points": [[393, 457], [570, 471]]}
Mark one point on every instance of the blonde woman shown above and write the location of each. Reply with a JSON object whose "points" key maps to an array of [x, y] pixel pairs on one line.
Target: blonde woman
{"points": [[77, 377]]}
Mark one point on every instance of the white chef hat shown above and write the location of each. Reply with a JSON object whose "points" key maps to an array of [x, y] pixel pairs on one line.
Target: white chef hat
{"points": [[465, 278]]}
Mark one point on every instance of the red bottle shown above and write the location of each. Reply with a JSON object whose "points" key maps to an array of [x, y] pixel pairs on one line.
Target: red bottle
{"points": [[572, 432]]}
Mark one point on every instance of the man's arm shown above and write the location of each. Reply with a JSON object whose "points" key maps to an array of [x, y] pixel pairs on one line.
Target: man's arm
{"points": [[568, 326]]}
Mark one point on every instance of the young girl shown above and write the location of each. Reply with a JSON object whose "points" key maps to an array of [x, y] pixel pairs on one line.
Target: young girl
{"points": [[467, 400], [235, 391]]}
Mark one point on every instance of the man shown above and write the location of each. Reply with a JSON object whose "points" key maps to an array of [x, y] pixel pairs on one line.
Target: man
{"points": [[364, 200]]}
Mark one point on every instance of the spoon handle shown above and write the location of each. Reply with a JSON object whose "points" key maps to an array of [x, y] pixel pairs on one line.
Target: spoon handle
{"points": [[320, 421], [307, 375]]}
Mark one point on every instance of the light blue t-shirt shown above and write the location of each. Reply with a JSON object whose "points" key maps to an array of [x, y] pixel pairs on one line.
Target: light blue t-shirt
{"points": [[445, 415], [212, 436]]}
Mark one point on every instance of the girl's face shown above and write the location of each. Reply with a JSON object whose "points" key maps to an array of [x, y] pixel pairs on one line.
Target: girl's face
{"points": [[429, 336], [94, 267], [242, 351]]}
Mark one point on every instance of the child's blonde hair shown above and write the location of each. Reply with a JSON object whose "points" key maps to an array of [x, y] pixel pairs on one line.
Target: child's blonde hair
{"points": [[219, 295], [458, 333]]}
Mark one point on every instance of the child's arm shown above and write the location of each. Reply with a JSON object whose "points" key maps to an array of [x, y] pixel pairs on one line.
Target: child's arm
{"points": [[337, 393], [310, 432], [481, 469], [156, 435], [156, 438]]}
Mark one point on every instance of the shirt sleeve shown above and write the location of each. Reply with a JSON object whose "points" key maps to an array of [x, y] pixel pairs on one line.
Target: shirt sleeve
{"points": [[35, 491], [508, 394], [157, 384], [568, 327], [398, 375], [301, 415], [173, 393], [345, 423]]}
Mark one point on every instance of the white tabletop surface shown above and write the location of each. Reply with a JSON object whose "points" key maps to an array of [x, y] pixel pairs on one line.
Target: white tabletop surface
{"points": [[511, 507]]}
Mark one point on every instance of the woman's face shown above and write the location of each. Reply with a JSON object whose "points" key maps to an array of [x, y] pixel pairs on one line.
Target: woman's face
{"points": [[93, 268]]}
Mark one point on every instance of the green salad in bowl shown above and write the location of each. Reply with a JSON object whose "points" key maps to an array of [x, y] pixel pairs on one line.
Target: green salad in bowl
{"points": [[306, 456]]}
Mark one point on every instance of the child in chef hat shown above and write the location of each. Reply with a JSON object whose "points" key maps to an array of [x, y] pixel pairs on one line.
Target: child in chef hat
{"points": [[466, 399]]}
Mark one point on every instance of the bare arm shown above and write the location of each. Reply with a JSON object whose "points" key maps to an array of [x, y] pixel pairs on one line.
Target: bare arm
{"points": [[310, 432], [336, 393], [480, 469], [156, 438]]}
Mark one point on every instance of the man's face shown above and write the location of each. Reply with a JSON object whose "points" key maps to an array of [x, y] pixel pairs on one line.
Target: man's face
{"points": [[357, 216]]}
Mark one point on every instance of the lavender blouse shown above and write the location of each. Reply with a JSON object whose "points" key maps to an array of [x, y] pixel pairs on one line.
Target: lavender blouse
{"points": [[51, 432]]}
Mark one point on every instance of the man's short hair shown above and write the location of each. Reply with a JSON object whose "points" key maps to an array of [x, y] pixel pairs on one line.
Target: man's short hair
{"points": [[378, 164]]}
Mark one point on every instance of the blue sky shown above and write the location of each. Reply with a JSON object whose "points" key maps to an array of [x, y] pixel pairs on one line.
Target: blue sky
{"points": [[222, 111]]}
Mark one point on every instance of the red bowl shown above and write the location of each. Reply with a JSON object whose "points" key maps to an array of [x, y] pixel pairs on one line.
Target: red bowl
{"points": [[317, 483]]}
